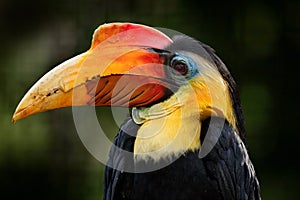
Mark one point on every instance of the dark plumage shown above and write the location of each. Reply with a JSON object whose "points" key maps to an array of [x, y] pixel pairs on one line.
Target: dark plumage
{"points": [[225, 173]]}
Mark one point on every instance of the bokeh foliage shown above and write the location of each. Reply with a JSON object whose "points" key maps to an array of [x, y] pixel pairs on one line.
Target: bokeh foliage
{"points": [[42, 157]]}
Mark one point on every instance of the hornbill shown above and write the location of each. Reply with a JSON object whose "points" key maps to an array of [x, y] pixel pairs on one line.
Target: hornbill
{"points": [[185, 135]]}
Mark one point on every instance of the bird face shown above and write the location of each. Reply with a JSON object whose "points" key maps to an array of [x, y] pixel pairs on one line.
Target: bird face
{"points": [[173, 84], [173, 126], [173, 79]]}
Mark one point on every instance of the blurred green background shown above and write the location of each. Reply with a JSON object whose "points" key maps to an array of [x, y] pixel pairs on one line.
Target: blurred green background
{"points": [[42, 157]]}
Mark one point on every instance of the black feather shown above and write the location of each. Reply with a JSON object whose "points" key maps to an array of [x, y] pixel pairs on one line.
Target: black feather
{"points": [[225, 173]]}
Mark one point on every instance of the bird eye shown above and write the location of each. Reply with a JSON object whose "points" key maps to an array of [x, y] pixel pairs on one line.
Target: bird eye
{"points": [[182, 67]]}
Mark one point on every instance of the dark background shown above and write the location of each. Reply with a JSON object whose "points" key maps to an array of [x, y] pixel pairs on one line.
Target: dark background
{"points": [[42, 157]]}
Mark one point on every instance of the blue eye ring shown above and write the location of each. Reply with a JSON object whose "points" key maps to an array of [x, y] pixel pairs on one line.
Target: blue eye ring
{"points": [[183, 66]]}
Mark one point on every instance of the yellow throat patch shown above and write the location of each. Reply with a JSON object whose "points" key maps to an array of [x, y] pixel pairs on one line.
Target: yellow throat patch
{"points": [[173, 127]]}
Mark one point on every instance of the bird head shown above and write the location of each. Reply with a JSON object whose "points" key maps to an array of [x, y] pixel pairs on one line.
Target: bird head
{"points": [[139, 67]]}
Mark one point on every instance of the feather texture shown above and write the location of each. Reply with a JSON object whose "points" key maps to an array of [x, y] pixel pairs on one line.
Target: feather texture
{"points": [[225, 173]]}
